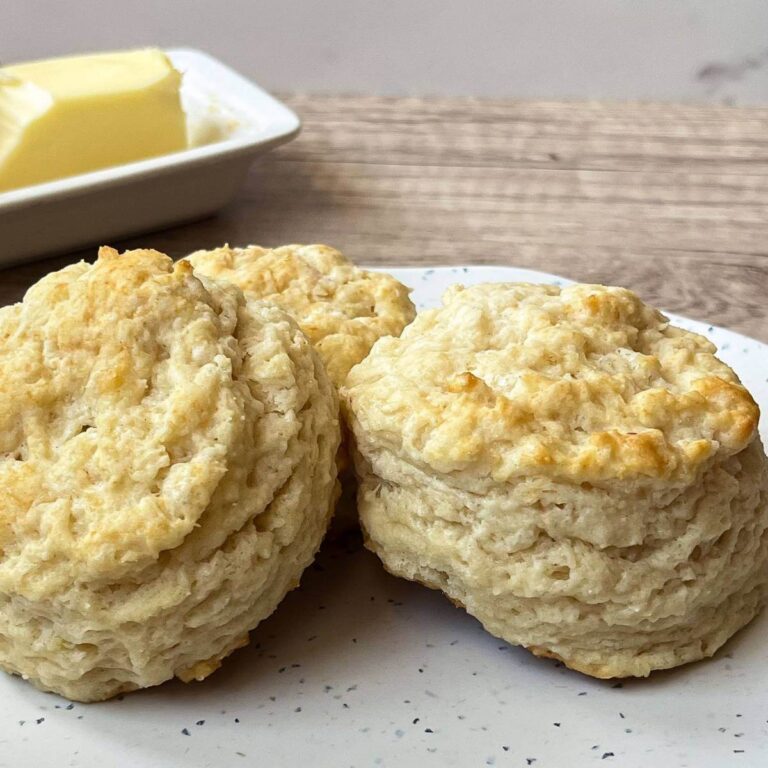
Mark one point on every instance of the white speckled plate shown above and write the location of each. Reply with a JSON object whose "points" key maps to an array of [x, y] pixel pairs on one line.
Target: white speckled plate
{"points": [[358, 668]]}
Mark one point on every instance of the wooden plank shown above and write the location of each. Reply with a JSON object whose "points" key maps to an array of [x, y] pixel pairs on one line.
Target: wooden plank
{"points": [[670, 200]]}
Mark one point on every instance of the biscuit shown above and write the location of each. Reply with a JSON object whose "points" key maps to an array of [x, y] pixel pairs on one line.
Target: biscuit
{"points": [[343, 309], [581, 476], [167, 464]]}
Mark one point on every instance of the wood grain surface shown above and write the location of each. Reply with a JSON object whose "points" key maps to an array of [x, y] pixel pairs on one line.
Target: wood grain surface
{"points": [[669, 200]]}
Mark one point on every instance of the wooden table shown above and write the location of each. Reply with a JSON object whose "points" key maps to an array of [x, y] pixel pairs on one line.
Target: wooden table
{"points": [[669, 200]]}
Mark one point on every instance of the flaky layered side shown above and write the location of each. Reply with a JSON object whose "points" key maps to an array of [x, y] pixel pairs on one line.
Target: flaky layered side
{"points": [[167, 451], [584, 478]]}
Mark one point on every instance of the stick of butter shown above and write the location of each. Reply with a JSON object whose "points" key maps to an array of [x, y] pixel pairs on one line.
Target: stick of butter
{"points": [[72, 115]]}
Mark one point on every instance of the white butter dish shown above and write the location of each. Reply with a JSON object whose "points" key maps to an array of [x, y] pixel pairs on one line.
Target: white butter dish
{"points": [[97, 207]]}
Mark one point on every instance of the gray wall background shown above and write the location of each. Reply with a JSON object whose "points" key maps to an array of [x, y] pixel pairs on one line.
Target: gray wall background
{"points": [[712, 51]]}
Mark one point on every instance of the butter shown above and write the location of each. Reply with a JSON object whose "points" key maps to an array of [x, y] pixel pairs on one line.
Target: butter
{"points": [[66, 116]]}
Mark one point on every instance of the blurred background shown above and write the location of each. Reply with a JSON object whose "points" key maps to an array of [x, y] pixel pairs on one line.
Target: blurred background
{"points": [[713, 51], [669, 199]]}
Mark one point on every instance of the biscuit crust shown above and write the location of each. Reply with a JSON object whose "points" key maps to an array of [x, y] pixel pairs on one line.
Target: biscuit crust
{"points": [[583, 477], [343, 309], [167, 456]]}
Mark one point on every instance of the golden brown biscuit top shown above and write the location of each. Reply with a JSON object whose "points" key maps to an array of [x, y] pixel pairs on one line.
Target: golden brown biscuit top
{"points": [[584, 383], [136, 402], [343, 309]]}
